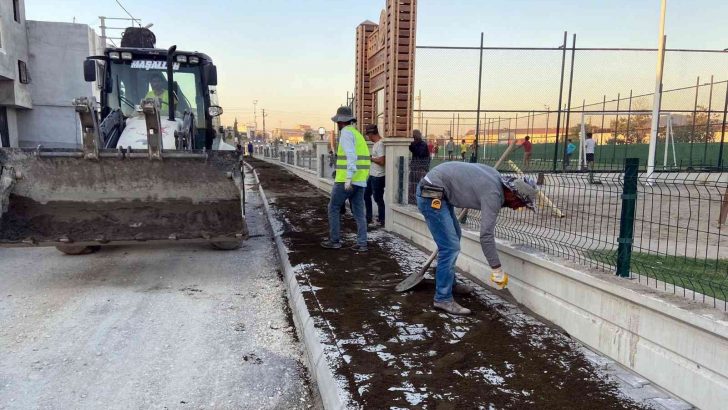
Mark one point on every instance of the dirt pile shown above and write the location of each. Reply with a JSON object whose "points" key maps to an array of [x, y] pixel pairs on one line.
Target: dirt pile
{"points": [[397, 350]]}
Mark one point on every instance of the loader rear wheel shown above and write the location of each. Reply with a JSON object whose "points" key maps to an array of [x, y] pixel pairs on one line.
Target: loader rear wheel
{"points": [[77, 249], [227, 246]]}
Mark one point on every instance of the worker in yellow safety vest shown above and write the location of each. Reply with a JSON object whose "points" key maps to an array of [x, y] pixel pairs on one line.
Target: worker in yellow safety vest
{"points": [[159, 91], [352, 171]]}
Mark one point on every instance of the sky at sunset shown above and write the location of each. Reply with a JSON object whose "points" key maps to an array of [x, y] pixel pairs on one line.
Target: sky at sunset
{"points": [[297, 57]]}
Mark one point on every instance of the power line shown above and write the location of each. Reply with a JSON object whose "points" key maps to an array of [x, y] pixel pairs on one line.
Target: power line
{"points": [[127, 12]]}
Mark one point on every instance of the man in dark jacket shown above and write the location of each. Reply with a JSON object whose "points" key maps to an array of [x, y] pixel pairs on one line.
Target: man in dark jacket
{"points": [[419, 164]]}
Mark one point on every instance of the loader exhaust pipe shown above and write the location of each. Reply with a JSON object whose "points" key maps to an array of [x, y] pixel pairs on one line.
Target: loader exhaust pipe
{"points": [[170, 81]]}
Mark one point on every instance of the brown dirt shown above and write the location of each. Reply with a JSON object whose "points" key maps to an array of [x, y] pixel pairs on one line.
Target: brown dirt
{"points": [[129, 220], [398, 351]]}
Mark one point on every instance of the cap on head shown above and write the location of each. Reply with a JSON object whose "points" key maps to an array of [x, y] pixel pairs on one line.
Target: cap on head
{"points": [[343, 114], [524, 187], [371, 129]]}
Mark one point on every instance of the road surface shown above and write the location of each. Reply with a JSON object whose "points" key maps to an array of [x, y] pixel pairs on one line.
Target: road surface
{"points": [[149, 327]]}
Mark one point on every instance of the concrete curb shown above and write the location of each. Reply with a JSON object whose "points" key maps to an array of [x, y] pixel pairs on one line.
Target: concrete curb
{"points": [[332, 395]]}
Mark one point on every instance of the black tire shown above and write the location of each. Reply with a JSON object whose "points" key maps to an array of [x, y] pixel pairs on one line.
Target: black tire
{"points": [[227, 246], [77, 249]]}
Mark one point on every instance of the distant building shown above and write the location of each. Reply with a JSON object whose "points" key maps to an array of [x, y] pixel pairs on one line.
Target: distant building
{"points": [[291, 135], [41, 71]]}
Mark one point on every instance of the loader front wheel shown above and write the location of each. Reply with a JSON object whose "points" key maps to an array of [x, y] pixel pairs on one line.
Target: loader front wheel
{"points": [[227, 246], [77, 249]]}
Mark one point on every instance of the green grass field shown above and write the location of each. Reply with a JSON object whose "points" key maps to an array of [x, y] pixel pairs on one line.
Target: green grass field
{"points": [[709, 277]]}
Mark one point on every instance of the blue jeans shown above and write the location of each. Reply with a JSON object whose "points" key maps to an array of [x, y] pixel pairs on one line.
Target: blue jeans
{"points": [[445, 230], [356, 198], [375, 187]]}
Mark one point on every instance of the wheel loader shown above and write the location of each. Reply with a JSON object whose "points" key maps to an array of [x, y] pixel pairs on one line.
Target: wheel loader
{"points": [[150, 169]]}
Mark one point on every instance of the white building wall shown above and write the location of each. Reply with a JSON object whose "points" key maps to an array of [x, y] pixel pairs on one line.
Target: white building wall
{"points": [[57, 52], [13, 47]]}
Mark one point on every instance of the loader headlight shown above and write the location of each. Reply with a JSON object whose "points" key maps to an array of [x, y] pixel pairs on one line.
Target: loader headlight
{"points": [[126, 55], [181, 59], [114, 55], [194, 60]]}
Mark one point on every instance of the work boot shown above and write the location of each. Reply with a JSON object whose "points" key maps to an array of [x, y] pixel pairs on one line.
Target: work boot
{"points": [[462, 289], [359, 248], [327, 244], [451, 307]]}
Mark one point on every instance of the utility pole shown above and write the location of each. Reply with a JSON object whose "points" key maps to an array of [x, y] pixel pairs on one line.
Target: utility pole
{"points": [[265, 136], [255, 115], [419, 106]]}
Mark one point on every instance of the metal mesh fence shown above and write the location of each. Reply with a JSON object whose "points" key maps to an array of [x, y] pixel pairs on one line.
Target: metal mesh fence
{"points": [[558, 94], [680, 242]]}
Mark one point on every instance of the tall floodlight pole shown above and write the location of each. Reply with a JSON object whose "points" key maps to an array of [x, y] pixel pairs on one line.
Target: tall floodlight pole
{"points": [[255, 115], [658, 94]]}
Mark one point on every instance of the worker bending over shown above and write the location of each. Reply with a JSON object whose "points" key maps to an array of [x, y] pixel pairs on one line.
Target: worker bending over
{"points": [[471, 186]]}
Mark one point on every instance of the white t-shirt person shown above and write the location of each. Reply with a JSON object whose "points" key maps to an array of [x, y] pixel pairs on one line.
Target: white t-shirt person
{"points": [[589, 145], [377, 170]]}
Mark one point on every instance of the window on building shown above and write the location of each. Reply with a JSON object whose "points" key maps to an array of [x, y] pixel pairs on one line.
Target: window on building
{"points": [[23, 75], [16, 10]]}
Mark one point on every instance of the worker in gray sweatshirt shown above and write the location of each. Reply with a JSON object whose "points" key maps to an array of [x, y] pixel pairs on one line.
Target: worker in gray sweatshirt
{"points": [[471, 186]]}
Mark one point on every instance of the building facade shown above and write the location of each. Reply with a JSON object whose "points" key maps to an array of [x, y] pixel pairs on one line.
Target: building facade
{"points": [[14, 79], [41, 72]]}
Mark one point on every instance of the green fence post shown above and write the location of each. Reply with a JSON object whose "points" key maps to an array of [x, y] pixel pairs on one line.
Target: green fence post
{"points": [[626, 221]]}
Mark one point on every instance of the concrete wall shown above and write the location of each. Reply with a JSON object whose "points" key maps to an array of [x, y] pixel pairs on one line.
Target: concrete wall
{"points": [[57, 53], [678, 344]]}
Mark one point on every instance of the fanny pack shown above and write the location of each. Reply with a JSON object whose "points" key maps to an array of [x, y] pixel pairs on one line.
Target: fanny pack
{"points": [[431, 191]]}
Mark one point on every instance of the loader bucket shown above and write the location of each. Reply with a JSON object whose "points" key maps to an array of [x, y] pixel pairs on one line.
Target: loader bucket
{"points": [[60, 198]]}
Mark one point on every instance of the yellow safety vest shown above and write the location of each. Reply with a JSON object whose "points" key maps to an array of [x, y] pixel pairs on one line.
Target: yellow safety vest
{"points": [[163, 99], [363, 158]]}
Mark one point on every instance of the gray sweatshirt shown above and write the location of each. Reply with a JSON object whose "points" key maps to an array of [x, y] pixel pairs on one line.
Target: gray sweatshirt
{"points": [[473, 186]]}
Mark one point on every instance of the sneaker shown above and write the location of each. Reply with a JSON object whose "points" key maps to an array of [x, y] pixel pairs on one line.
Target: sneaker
{"points": [[372, 225], [452, 308], [462, 289], [359, 248], [327, 244]]}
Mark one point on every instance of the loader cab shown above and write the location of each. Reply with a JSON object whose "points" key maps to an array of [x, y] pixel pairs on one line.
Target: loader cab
{"points": [[129, 75]]}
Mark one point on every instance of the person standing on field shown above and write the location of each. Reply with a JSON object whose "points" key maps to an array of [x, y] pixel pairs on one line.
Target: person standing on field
{"points": [[527, 148], [589, 147], [450, 149]]}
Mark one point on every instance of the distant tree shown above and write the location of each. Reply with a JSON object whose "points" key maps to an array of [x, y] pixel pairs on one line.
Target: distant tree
{"points": [[309, 136], [632, 129], [575, 130], [687, 132]]}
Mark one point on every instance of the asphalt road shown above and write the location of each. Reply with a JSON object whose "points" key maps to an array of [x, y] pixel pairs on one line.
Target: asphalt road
{"points": [[149, 327]]}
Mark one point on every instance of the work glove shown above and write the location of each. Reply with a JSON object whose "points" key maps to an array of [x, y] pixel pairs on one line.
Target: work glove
{"points": [[499, 278], [347, 185]]}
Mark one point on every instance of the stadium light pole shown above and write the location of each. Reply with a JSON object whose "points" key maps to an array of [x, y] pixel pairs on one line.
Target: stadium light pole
{"points": [[658, 94]]}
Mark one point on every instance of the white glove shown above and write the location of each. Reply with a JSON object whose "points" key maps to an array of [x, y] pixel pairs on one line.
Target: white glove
{"points": [[499, 278], [347, 185]]}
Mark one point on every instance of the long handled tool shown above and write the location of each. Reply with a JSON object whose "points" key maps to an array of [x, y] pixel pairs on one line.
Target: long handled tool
{"points": [[414, 279]]}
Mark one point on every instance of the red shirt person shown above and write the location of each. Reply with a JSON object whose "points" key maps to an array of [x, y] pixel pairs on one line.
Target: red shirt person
{"points": [[527, 148]]}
